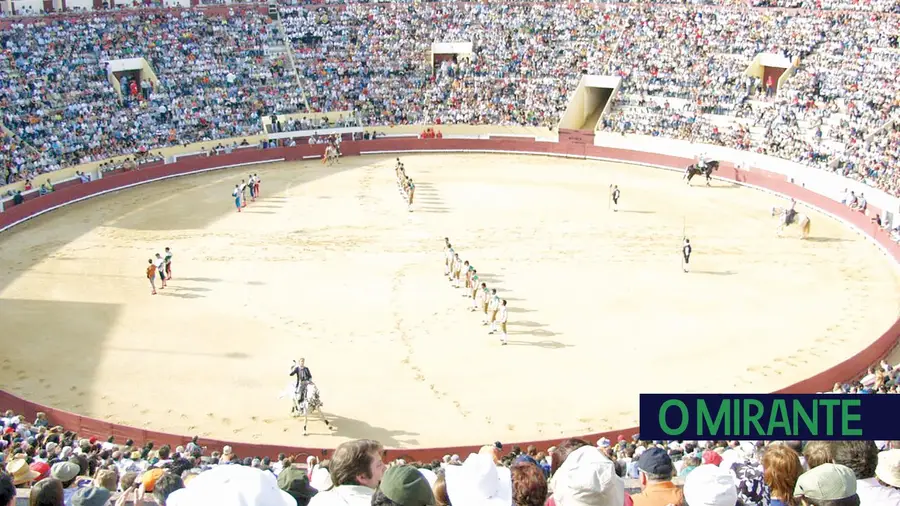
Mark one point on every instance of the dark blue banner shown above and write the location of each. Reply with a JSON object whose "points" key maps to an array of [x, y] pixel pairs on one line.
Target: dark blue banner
{"points": [[769, 417]]}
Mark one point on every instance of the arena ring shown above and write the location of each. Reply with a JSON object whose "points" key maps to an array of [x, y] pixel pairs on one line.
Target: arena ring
{"points": [[757, 178]]}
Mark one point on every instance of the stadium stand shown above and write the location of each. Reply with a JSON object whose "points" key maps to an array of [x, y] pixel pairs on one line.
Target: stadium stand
{"points": [[219, 73]]}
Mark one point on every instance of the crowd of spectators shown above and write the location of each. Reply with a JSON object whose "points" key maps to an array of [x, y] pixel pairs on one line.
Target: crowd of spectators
{"points": [[682, 67], [54, 467]]}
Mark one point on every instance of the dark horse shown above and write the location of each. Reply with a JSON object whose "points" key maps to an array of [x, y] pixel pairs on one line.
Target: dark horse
{"points": [[694, 170]]}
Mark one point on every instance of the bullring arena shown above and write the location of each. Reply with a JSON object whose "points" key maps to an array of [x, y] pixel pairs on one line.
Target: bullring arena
{"points": [[329, 265]]}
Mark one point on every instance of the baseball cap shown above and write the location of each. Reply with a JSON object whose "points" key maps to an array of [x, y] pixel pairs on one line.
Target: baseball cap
{"points": [[64, 471], [406, 486], [827, 482], [656, 461], [295, 482]]}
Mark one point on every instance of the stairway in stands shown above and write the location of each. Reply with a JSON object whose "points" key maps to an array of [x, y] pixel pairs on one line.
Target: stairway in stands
{"points": [[287, 48]]}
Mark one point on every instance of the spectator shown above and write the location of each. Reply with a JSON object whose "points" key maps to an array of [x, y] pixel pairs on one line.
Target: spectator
{"points": [[888, 469], [22, 475], [656, 472], [295, 482], [781, 468], [561, 453], [356, 469], [818, 453], [165, 485], [232, 484], [47, 492], [479, 481], [529, 485], [7, 491], [709, 485], [586, 477], [90, 496], [441, 498], [403, 485], [862, 458], [828, 485], [106, 479]]}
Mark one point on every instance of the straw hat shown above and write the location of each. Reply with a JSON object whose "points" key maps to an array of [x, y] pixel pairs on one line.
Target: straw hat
{"points": [[20, 472]]}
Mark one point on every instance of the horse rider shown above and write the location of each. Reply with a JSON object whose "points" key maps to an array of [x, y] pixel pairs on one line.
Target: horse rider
{"points": [[701, 164], [303, 375], [790, 213]]}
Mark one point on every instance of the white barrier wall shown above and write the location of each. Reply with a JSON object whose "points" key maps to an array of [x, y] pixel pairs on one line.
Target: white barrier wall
{"points": [[820, 181]]}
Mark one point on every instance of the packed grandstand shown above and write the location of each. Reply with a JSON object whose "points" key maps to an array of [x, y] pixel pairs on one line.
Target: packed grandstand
{"points": [[682, 66]]}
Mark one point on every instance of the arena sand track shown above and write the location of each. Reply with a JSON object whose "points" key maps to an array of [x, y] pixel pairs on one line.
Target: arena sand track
{"points": [[329, 265]]}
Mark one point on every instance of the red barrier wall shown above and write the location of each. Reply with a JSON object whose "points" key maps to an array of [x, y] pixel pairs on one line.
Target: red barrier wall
{"points": [[823, 381]]}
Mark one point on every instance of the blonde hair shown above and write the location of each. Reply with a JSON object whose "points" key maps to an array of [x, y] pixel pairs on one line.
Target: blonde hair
{"points": [[818, 453]]}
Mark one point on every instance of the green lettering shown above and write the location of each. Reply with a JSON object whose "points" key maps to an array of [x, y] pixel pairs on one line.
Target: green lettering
{"points": [[752, 418], [704, 420], [812, 424], [847, 417], [829, 404], [778, 418], [662, 417]]}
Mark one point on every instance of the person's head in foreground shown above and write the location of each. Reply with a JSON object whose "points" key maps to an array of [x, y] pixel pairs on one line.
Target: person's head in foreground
{"points": [[478, 482], [528, 482], [231, 485], [357, 463], [655, 466], [47, 492], [7, 491], [781, 468], [403, 486], [827, 485], [586, 478], [295, 482], [817, 453], [91, 496], [710, 485]]}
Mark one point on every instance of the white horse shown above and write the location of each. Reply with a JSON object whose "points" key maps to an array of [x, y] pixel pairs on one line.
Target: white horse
{"points": [[331, 155], [311, 403], [799, 218]]}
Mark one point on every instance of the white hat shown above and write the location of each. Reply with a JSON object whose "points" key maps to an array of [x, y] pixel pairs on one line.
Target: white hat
{"points": [[232, 486], [603, 442], [320, 479], [587, 477], [226, 450], [479, 482], [429, 475], [888, 469], [710, 485], [729, 458]]}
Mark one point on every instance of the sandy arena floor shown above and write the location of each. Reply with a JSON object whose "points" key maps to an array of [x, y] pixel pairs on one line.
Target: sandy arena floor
{"points": [[330, 266]]}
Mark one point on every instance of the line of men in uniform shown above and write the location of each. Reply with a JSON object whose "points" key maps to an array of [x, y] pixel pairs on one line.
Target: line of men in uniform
{"points": [[462, 274], [407, 187], [240, 191]]}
